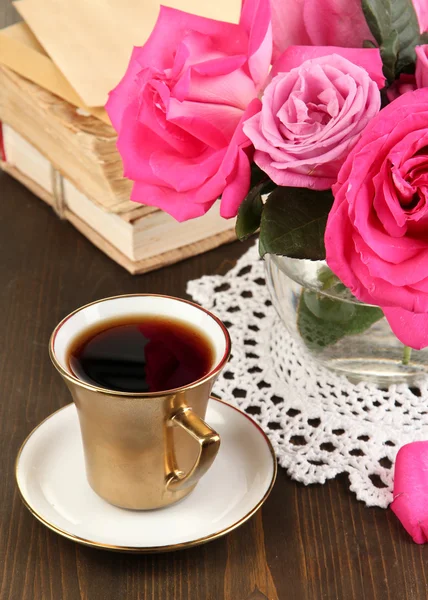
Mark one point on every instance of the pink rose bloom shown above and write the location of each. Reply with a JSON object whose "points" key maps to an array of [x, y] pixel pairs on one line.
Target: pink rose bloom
{"points": [[180, 106], [421, 9], [313, 113], [325, 23], [316, 23], [377, 232], [422, 66], [408, 83], [405, 83]]}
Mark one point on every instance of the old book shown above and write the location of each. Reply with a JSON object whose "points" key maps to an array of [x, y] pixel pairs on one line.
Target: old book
{"points": [[139, 241], [78, 145], [21, 52], [58, 140]]}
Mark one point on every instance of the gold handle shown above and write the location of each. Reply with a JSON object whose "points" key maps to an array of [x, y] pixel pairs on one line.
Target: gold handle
{"points": [[209, 444]]}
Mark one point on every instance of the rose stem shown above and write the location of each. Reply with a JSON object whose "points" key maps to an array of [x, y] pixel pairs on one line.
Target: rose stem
{"points": [[328, 280], [407, 353]]}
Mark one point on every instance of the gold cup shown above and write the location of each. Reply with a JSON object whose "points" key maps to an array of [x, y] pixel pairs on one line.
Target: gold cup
{"points": [[143, 450]]}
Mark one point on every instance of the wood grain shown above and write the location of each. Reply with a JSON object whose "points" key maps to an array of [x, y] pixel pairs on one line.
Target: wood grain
{"points": [[307, 543], [257, 595], [134, 267], [258, 576]]}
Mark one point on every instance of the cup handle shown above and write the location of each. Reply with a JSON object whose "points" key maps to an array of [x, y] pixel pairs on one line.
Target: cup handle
{"points": [[209, 444]]}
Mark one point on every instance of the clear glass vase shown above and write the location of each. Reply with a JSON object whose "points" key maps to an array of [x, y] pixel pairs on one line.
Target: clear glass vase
{"points": [[339, 332]]}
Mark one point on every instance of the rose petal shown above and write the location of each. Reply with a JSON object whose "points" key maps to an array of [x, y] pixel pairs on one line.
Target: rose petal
{"points": [[405, 83], [421, 9], [410, 328], [212, 124], [182, 174], [180, 205], [235, 89], [405, 273], [292, 178], [124, 94], [411, 489], [256, 20], [336, 23], [422, 66], [238, 187], [288, 26], [157, 49], [367, 58], [238, 153]]}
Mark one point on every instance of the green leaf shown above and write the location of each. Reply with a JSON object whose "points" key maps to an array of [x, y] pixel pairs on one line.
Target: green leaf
{"points": [[407, 26], [249, 214], [250, 210], [377, 16], [389, 53], [293, 223], [395, 27], [323, 321]]}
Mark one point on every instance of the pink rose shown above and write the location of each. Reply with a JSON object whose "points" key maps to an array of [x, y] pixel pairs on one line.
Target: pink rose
{"points": [[377, 232], [421, 8], [325, 23], [408, 83], [405, 83], [312, 22], [422, 66], [313, 113], [180, 106]]}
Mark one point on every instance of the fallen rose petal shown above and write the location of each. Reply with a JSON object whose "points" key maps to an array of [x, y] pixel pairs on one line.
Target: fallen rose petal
{"points": [[411, 490]]}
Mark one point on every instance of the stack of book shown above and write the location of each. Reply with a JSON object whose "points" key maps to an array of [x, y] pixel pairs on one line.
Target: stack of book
{"points": [[56, 141]]}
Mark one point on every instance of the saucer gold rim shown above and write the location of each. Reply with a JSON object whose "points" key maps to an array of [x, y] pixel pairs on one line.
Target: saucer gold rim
{"points": [[150, 549]]}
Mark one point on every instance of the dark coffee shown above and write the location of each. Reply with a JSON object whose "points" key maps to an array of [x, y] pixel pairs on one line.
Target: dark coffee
{"points": [[141, 354]]}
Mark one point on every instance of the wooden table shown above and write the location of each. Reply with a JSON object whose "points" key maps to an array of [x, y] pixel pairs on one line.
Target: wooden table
{"points": [[307, 543]]}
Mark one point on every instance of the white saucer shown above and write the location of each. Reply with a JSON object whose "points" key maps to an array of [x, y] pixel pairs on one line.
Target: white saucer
{"points": [[51, 478]]}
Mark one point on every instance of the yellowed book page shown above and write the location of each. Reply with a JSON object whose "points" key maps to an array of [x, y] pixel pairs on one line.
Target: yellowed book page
{"points": [[22, 33], [91, 40], [21, 52], [18, 52]]}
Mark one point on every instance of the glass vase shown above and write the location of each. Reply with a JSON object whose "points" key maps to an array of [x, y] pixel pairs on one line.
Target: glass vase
{"points": [[336, 330]]}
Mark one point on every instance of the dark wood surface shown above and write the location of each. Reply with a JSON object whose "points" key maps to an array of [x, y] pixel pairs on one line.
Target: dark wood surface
{"points": [[307, 543]]}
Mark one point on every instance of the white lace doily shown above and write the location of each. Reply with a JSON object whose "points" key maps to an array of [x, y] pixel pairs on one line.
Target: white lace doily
{"points": [[319, 423]]}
